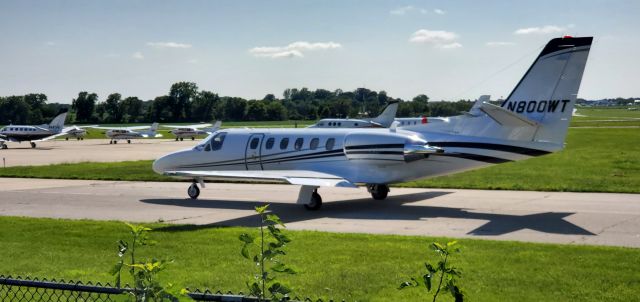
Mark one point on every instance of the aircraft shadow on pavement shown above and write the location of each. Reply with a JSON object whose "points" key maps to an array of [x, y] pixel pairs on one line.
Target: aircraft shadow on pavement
{"points": [[396, 207]]}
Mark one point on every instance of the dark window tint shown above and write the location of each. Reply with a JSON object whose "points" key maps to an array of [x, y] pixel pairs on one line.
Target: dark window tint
{"points": [[330, 143], [314, 143], [254, 143], [270, 142], [217, 141], [284, 143], [298, 144]]}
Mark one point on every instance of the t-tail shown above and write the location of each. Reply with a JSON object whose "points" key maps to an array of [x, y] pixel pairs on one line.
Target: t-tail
{"points": [[57, 124], [545, 96], [388, 115]]}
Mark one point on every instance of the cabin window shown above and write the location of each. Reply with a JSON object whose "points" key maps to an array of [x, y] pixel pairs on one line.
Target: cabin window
{"points": [[339, 124], [356, 124], [314, 143], [330, 143], [284, 143], [298, 144], [270, 142], [254, 143], [217, 141]]}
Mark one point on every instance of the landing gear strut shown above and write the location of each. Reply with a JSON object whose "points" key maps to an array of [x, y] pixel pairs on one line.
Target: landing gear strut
{"points": [[33, 145], [3, 146], [378, 192]]}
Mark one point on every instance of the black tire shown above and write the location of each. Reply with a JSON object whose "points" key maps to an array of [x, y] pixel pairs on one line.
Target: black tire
{"points": [[193, 138], [182, 138], [193, 191], [379, 192], [128, 141], [110, 142], [115, 142], [316, 202], [176, 139], [33, 145], [4, 146], [66, 138]]}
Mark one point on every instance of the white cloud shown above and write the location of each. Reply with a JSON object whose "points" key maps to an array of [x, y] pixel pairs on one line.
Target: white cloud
{"points": [[168, 45], [499, 44], [293, 50], [137, 55], [439, 11], [547, 29], [401, 11], [450, 45], [437, 38]]}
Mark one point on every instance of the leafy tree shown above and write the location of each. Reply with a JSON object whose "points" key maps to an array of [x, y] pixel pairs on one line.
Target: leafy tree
{"points": [[132, 109], [36, 102], [84, 105], [112, 108], [14, 109], [160, 110], [269, 98], [420, 105], [203, 106], [182, 93], [235, 108], [276, 111], [256, 111]]}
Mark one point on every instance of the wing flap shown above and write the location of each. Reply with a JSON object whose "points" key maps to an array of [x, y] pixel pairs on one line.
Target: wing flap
{"points": [[294, 177]]}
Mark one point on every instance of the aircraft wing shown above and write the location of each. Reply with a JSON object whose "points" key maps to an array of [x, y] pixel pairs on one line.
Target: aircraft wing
{"points": [[123, 128], [188, 126], [294, 177], [63, 133]]}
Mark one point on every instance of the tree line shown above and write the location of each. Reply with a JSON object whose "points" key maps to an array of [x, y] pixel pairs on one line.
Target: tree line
{"points": [[186, 103]]}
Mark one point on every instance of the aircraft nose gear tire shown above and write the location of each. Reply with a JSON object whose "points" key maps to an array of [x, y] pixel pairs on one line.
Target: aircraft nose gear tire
{"points": [[128, 141], [193, 138], [33, 145], [378, 192], [315, 202], [193, 191], [182, 138]]}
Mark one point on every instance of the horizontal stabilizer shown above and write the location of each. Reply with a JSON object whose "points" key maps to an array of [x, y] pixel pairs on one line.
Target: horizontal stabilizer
{"points": [[505, 117], [294, 177]]}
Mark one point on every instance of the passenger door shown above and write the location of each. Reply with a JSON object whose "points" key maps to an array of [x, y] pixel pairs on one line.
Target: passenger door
{"points": [[252, 152]]}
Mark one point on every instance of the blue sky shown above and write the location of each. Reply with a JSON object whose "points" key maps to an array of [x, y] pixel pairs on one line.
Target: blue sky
{"points": [[445, 49]]}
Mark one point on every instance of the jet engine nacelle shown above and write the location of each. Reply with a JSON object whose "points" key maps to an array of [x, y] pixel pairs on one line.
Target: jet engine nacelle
{"points": [[389, 146]]}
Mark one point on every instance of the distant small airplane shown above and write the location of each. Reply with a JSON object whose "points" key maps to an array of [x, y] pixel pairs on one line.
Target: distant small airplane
{"points": [[383, 120], [532, 121], [192, 130], [129, 133], [77, 132], [33, 134]]}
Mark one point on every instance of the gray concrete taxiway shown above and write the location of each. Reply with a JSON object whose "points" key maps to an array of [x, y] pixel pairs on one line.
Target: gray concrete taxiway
{"points": [[578, 218]]}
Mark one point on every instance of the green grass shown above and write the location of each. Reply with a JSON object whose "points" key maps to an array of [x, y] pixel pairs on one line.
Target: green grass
{"points": [[595, 160], [343, 266]]}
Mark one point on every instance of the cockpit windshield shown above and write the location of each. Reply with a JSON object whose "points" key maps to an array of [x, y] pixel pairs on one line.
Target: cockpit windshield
{"points": [[213, 143]]}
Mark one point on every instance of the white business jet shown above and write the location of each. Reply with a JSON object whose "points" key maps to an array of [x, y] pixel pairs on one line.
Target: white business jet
{"points": [[182, 132], [533, 121], [77, 132], [384, 120], [33, 134], [129, 133]]}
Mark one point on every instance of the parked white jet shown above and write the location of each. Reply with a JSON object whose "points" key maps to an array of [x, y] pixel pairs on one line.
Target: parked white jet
{"points": [[193, 130], [33, 134], [532, 121], [129, 133], [384, 120]]}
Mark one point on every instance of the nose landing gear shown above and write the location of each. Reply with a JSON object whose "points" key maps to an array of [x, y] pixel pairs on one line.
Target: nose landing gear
{"points": [[378, 192], [193, 191]]}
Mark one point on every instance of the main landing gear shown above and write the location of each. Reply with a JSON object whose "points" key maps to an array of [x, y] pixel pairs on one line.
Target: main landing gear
{"points": [[113, 142], [378, 192], [33, 145], [3, 146], [128, 141], [182, 138], [310, 198]]}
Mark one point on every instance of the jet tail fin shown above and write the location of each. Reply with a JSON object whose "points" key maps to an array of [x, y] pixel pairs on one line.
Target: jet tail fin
{"points": [[547, 92], [57, 124], [388, 115]]}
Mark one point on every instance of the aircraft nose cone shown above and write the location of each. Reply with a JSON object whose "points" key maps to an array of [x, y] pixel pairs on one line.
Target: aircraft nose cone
{"points": [[159, 165]]}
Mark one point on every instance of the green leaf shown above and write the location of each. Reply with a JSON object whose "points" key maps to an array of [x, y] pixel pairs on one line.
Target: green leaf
{"points": [[278, 288], [116, 268], [246, 238], [262, 209], [430, 268], [405, 284], [275, 219], [245, 251], [451, 243], [281, 268], [427, 281]]}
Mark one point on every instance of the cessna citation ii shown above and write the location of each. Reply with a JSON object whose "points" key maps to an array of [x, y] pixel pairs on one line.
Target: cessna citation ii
{"points": [[182, 132], [129, 133], [33, 134], [532, 121], [384, 120]]}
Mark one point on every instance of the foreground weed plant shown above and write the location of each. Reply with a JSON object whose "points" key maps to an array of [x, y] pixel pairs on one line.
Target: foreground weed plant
{"points": [[144, 274], [441, 273], [269, 249]]}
